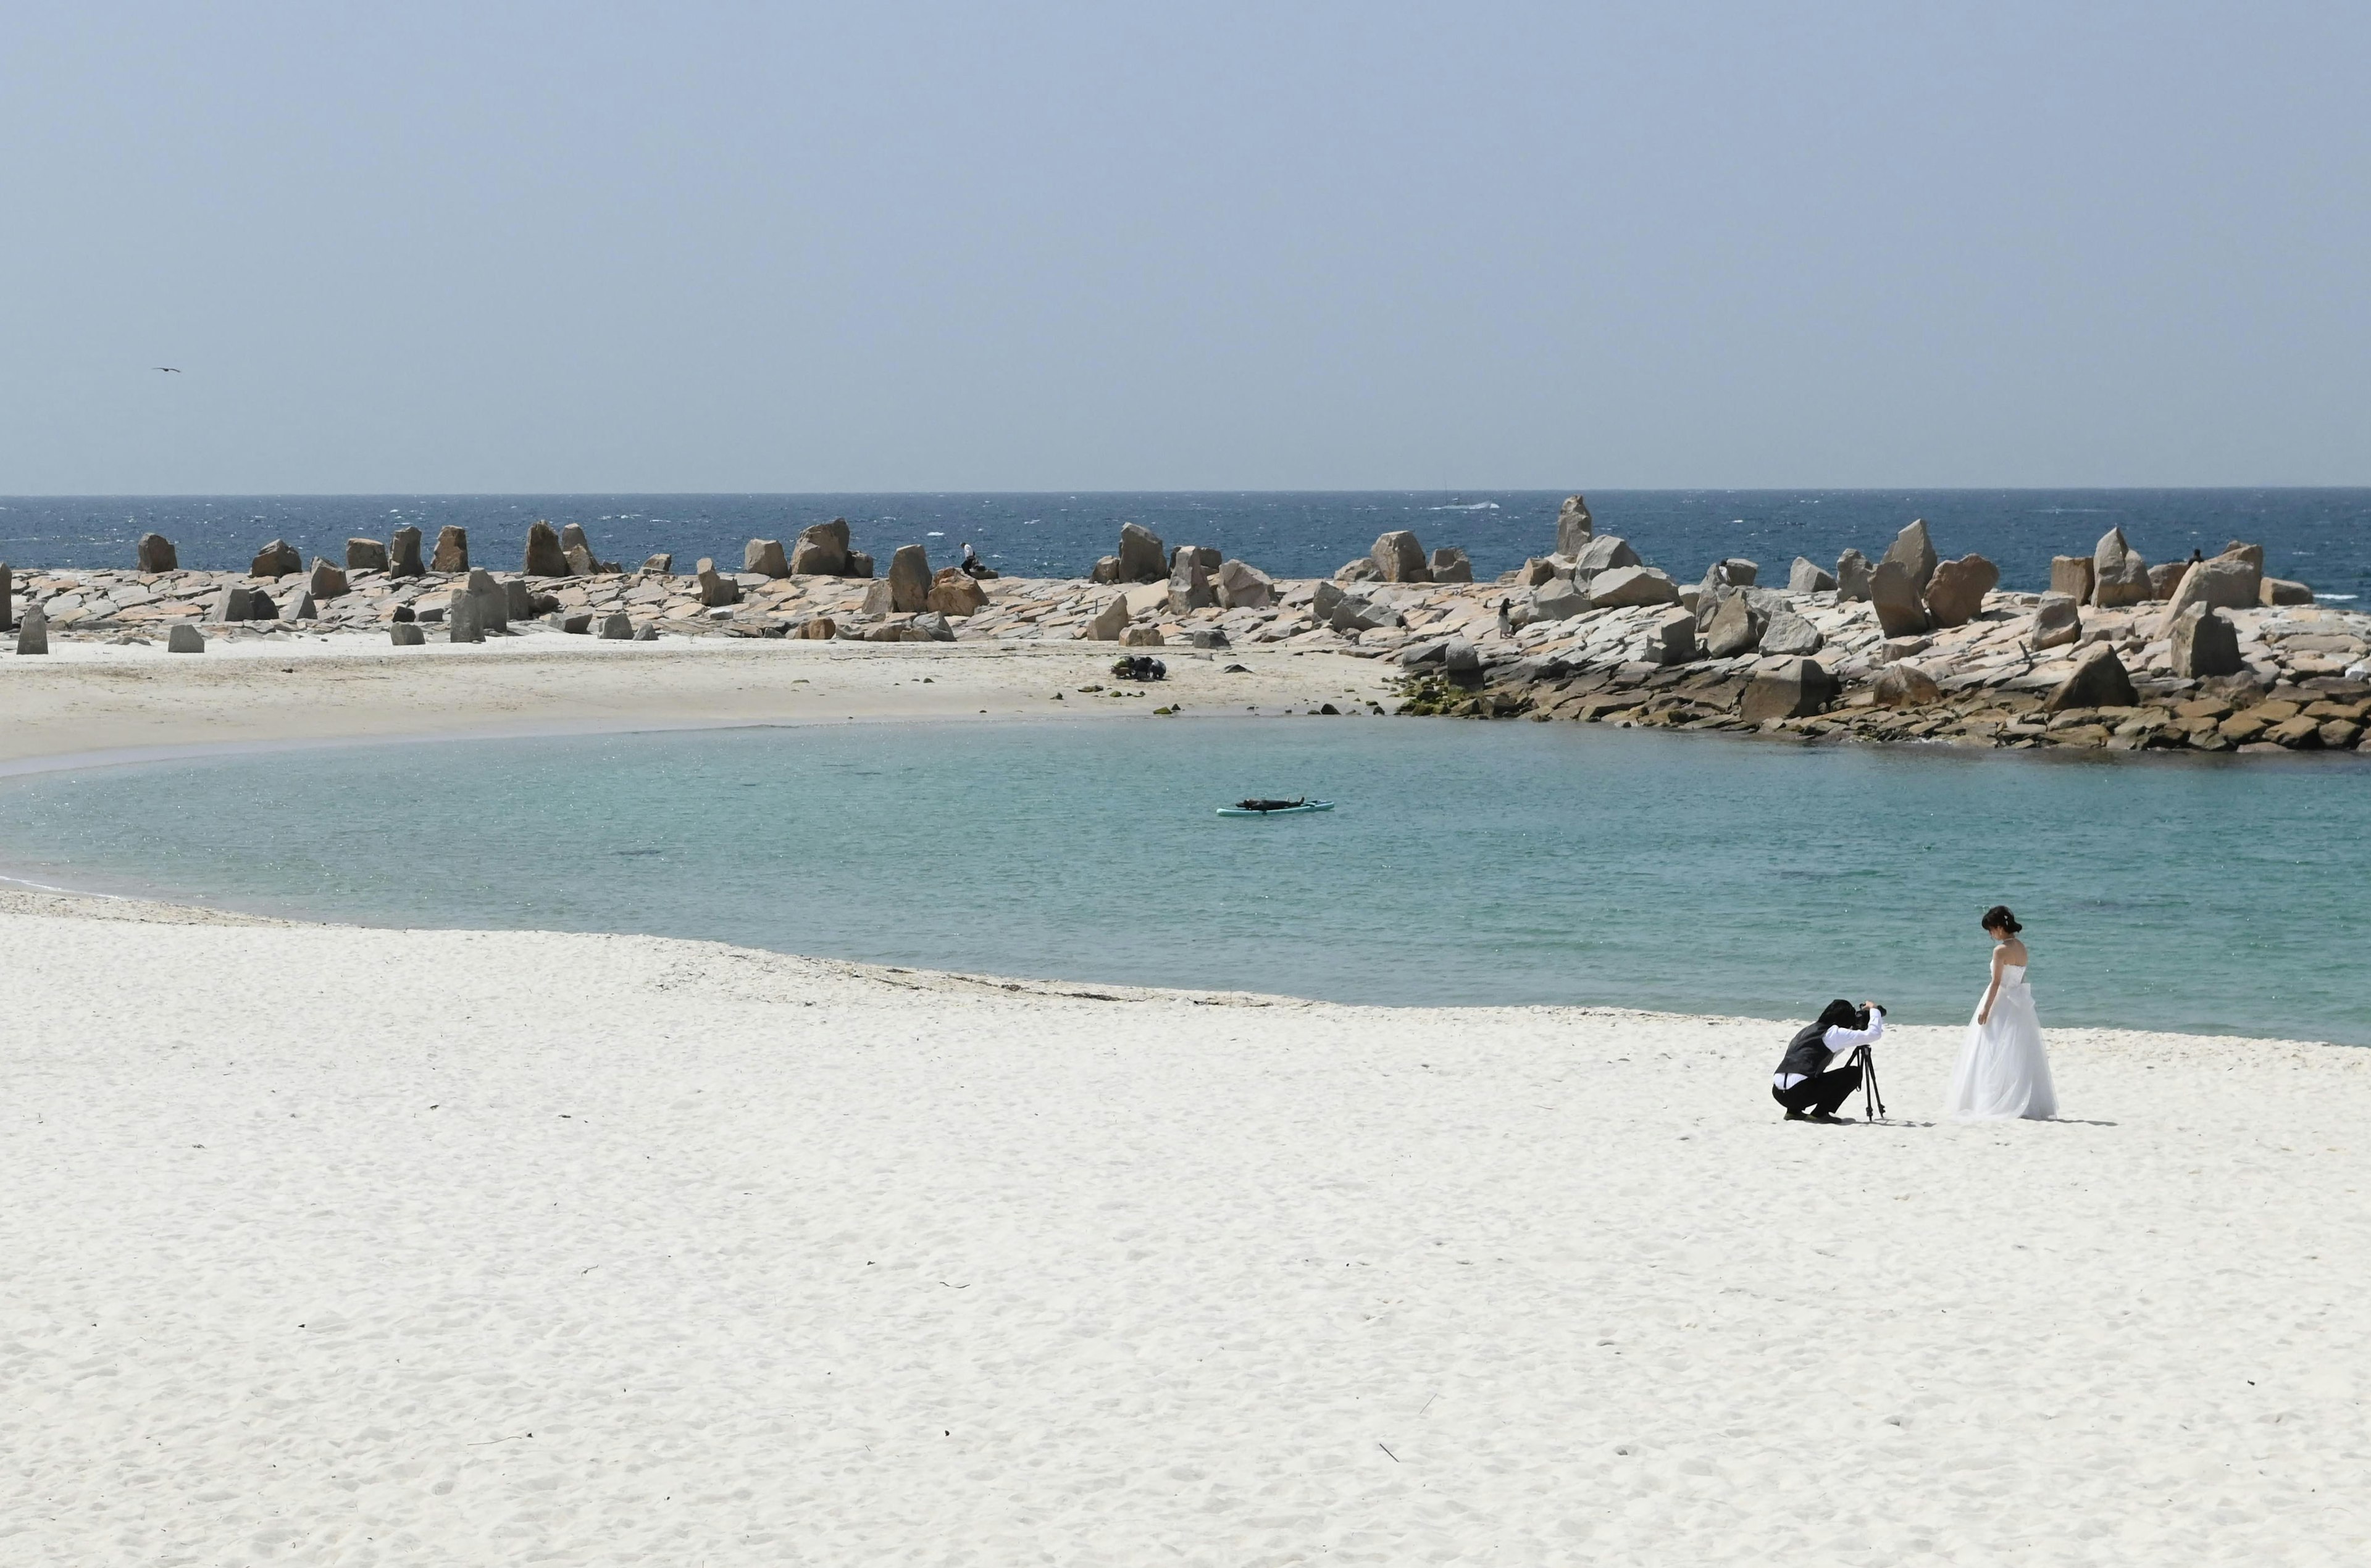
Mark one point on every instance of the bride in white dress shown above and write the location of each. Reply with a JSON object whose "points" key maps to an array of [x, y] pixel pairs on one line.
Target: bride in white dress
{"points": [[2004, 1073]]}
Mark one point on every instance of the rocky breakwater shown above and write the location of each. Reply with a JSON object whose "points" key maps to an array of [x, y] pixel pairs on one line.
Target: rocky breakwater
{"points": [[2209, 655]]}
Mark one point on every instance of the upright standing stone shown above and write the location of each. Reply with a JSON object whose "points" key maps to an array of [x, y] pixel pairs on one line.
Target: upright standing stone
{"points": [[1914, 552], [452, 550], [1189, 583], [1398, 557], [2071, 575], [276, 560], [185, 638], [1141, 559], [328, 583], [2204, 644], [1956, 591], [1735, 628], [493, 599], [465, 619], [822, 551], [1574, 527], [580, 560], [716, 588], [617, 627], [369, 555], [573, 537], [2119, 576], [1109, 622], [766, 557], [33, 631], [155, 553], [1671, 640], [910, 580], [543, 556], [8, 597], [1901, 607], [1243, 586], [662, 564], [403, 554], [1854, 576], [1450, 564]]}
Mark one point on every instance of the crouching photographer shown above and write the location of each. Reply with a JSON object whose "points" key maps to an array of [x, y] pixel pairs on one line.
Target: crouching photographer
{"points": [[1807, 1083]]}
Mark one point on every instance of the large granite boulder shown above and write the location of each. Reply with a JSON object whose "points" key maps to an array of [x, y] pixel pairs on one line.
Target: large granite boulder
{"points": [[242, 604], [717, 590], [1735, 628], [2253, 553], [910, 580], [465, 619], [1852, 576], [1914, 552], [543, 554], [1671, 640], [2099, 680], [369, 555], [766, 557], [1142, 556], [1190, 587], [817, 628], [328, 581], [1362, 570], [451, 550], [521, 603], [402, 554], [1900, 604], [33, 630], [2226, 582], [1399, 558], [953, 593], [2165, 577], [1956, 591], [299, 607], [156, 553], [491, 599], [1558, 600], [185, 638], [933, 627], [1107, 623], [1461, 661], [2281, 591], [1449, 564], [615, 626], [821, 550], [577, 549], [2071, 575], [1631, 585], [407, 634], [1787, 632], [277, 559], [1574, 527], [860, 566], [2119, 576], [2057, 623], [1207, 555], [1787, 688], [1808, 577], [1606, 552], [1904, 684], [2205, 644], [1144, 636], [1240, 586]]}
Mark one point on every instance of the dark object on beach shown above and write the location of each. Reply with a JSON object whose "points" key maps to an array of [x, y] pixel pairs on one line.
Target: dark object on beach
{"points": [[1139, 667], [405, 615]]}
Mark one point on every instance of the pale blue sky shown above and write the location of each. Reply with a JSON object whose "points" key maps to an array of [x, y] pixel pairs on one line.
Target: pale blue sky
{"points": [[445, 248]]}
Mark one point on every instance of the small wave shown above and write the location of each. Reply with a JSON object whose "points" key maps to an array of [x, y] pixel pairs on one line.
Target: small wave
{"points": [[2335, 598], [1472, 506], [936, 534]]}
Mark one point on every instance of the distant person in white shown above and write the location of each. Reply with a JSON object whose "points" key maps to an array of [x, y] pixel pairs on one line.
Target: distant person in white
{"points": [[2004, 1073], [1805, 1083]]}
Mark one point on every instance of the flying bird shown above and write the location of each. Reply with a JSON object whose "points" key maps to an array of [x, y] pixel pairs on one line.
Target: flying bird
{"points": [[170, 369]]}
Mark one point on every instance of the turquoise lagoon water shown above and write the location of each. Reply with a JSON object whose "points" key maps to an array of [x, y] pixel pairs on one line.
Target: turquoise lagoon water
{"points": [[1468, 864]]}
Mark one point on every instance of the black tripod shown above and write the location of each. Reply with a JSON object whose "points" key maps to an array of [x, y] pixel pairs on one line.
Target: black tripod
{"points": [[1872, 1102]]}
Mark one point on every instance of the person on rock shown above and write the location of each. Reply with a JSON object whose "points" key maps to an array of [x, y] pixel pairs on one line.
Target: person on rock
{"points": [[1805, 1083]]}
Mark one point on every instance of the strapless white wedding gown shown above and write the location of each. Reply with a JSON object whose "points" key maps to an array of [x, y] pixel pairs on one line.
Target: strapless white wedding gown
{"points": [[2004, 1073]]}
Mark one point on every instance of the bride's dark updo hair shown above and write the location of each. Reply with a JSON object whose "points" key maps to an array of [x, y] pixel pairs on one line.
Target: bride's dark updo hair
{"points": [[1999, 918]]}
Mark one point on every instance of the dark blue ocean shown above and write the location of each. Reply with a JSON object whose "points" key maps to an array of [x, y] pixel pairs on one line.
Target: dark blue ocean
{"points": [[2319, 536]]}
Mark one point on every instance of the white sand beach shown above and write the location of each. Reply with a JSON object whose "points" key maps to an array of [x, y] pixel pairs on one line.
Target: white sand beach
{"points": [[87, 699], [342, 1246]]}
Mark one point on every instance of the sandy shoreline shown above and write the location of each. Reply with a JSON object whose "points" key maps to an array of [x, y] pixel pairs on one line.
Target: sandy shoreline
{"points": [[367, 1246], [92, 700]]}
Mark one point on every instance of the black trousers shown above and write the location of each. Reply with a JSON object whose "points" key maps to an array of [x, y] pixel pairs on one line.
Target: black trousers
{"points": [[1821, 1093]]}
